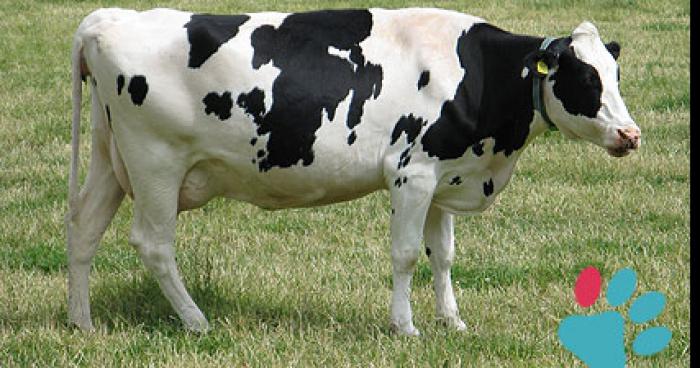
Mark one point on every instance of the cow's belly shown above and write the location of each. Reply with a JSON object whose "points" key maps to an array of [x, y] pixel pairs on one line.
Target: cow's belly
{"points": [[278, 188], [468, 199]]}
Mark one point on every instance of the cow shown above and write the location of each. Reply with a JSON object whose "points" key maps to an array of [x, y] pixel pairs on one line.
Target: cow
{"points": [[313, 108]]}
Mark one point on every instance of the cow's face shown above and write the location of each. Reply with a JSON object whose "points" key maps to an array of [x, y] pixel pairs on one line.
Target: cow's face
{"points": [[582, 94]]}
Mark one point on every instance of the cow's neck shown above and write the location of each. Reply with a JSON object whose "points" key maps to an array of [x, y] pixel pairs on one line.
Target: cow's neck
{"points": [[493, 100]]}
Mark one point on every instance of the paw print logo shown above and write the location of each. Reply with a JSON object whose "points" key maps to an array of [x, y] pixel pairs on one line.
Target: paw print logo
{"points": [[598, 339]]}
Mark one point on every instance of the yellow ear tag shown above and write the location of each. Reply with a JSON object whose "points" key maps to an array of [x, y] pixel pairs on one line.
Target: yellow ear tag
{"points": [[542, 68]]}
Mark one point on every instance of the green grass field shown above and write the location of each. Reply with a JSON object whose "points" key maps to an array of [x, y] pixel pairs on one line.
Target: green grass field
{"points": [[311, 287]]}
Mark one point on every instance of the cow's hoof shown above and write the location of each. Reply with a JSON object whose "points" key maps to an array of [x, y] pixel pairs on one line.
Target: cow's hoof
{"points": [[460, 326], [453, 323], [195, 321], [199, 326], [83, 325], [457, 325], [405, 330]]}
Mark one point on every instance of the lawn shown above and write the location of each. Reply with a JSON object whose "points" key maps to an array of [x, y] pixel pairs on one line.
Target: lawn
{"points": [[311, 287]]}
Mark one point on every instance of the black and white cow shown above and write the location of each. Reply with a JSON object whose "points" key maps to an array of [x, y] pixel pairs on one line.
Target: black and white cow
{"points": [[306, 109]]}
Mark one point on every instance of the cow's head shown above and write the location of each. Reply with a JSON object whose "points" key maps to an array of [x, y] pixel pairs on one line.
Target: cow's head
{"points": [[581, 91]]}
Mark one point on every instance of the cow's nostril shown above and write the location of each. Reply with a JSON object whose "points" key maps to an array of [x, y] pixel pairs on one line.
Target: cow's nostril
{"points": [[631, 134], [629, 137], [622, 134]]}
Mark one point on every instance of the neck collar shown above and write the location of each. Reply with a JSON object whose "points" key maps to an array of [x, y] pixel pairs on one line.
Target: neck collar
{"points": [[537, 101]]}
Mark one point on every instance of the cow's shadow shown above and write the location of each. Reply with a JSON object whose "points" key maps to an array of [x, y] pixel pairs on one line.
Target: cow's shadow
{"points": [[139, 303]]}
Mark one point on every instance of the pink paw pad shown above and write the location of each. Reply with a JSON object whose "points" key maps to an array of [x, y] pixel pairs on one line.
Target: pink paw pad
{"points": [[587, 287]]}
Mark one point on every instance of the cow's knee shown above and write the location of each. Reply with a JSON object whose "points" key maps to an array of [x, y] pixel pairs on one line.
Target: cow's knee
{"points": [[440, 258], [405, 258]]}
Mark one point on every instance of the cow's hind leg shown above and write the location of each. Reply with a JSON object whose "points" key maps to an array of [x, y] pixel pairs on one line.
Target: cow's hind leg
{"points": [[156, 189], [97, 203], [439, 246]]}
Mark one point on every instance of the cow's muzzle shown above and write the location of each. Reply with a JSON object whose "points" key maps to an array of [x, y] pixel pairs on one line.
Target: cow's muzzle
{"points": [[628, 139]]}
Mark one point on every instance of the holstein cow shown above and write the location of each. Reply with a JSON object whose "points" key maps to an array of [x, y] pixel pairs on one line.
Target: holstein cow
{"points": [[306, 109]]}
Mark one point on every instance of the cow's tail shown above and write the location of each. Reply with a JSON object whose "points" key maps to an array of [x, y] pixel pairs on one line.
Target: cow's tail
{"points": [[77, 99]]}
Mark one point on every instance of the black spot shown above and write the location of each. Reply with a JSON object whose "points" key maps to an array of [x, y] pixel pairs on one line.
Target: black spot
{"points": [[578, 86], [312, 80], [404, 160], [492, 100], [393, 211], [206, 33], [253, 103], [478, 148], [138, 88], [109, 114], [488, 187], [614, 49], [409, 125], [397, 182], [351, 138], [456, 181], [253, 141], [368, 82], [220, 105], [253, 161], [120, 84], [423, 79], [405, 179], [261, 153], [427, 251]]}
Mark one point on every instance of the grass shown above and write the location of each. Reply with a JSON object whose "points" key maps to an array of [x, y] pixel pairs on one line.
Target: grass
{"points": [[311, 287]]}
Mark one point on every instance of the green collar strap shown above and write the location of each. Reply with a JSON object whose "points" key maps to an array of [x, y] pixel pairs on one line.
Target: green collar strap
{"points": [[537, 89]]}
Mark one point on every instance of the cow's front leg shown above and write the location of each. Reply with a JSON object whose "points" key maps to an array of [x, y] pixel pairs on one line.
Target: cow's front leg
{"points": [[439, 246], [410, 204]]}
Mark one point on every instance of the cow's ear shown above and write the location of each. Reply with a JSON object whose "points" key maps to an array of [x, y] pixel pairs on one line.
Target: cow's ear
{"points": [[541, 62], [614, 49]]}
